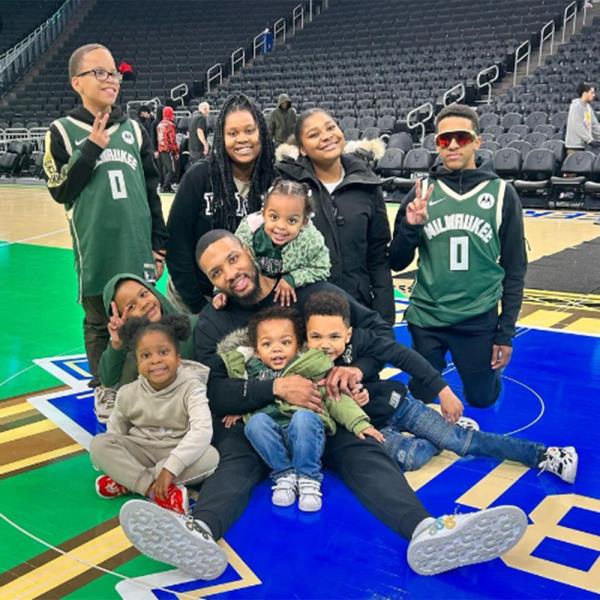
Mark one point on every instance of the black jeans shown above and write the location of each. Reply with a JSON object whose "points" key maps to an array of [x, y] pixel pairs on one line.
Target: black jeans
{"points": [[167, 168], [363, 465], [470, 344], [95, 333]]}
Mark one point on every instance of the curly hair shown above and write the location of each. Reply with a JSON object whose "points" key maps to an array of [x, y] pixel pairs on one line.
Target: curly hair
{"points": [[275, 313], [221, 172], [328, 304], [177, 328]]}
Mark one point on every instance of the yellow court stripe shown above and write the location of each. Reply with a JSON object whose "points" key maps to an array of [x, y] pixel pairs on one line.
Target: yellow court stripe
{"points": [[487, 490], [64, 568], [32, 429], [438, 464], [543, 318], [39, 458], [584, 325], [388, 372], [9, 411]]}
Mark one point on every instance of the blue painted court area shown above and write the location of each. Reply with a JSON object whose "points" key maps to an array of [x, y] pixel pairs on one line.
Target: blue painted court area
{"points": [[551, 391]]}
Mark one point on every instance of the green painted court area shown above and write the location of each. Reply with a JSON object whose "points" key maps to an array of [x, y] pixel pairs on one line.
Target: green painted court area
{"points": [[41, 316]]}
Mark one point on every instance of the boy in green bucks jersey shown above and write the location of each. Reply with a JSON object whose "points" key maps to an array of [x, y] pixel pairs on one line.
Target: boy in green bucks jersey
{"points": [[467, 224], [99, 164]]}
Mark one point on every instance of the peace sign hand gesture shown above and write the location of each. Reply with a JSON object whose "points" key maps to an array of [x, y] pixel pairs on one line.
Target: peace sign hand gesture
{"points": [[114, 324], [416, 211], [99, 135]]}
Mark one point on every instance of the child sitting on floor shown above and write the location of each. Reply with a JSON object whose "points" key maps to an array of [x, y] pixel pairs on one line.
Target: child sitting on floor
{"points": [[290, 439], [284, 241], [158, 435], [328, 329]]}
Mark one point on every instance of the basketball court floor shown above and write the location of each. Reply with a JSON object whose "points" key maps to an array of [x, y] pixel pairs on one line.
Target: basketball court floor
{"points": [[59, 540]]}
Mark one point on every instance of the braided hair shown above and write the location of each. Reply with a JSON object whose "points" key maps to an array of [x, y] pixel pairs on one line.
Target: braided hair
{"points": [[221, 172]]}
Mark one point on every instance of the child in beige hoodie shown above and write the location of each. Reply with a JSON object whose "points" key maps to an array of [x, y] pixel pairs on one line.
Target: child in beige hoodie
{"points": [[158, 435]]}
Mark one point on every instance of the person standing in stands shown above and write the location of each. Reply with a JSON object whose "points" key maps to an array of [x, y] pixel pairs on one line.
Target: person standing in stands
{"points": [[282, 120], [168, 150], [99, 165], [198, 133], [467, 224], [218, 193], [349, 210], [583, 129], [126, 70]]}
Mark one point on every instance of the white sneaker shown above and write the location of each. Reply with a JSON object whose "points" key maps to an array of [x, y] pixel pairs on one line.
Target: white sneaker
{"points": [[104, 402], [172, 538], [562, 462], [468, 423], [310, 494], [284, 490], [453, 541]]}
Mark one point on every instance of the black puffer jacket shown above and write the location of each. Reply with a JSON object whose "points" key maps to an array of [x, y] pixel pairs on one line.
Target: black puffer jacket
{"points": [[358, 238]]}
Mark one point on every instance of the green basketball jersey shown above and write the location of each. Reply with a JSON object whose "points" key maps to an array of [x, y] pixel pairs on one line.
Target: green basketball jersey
{"points": [[459, 275], [110, 221]]}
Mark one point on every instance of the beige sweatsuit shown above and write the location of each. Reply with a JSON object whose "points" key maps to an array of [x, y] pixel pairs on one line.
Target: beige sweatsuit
{"points": [[149, 430]]}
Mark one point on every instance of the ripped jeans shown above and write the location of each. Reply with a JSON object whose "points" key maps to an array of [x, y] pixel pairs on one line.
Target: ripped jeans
{"points": [[434, 434]]}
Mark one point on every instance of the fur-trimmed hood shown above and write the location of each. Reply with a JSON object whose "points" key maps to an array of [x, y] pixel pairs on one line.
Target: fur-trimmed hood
{"points": [[236, 340]]}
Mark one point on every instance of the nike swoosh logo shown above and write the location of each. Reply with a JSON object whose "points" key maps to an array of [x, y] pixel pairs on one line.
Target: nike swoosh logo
{"points": [[79, 142], [434, 202]]}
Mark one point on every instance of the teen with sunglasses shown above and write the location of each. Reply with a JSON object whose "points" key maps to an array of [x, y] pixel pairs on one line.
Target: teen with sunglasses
{"points": [[467, 224]]}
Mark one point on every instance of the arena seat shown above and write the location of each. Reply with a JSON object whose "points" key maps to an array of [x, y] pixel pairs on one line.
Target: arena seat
{"points": [[575, 169], [390, 164], [507, 163], [534, 184]]}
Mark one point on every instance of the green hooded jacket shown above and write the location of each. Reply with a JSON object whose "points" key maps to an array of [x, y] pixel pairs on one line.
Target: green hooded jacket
{"points": [[118, 367], [313, 365]]}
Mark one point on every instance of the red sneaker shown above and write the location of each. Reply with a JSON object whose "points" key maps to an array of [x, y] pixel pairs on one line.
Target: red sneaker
{"points": [[176, 500], [109, 488]]}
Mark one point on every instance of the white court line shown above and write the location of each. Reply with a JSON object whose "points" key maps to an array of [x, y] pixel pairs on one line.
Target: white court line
{"points": [[133, 581], [35, 237]]}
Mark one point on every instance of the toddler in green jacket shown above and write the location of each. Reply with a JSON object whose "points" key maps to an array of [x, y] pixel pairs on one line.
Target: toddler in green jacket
{"points": [[286, 244], [289, 438]]}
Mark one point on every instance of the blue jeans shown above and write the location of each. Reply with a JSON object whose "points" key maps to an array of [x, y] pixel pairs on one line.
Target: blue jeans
{"points": [[296, 448], [434, 434]]}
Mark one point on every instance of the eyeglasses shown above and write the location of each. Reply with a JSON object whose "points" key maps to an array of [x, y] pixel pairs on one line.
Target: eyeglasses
{"points": [[102, 74], [462, 137]]}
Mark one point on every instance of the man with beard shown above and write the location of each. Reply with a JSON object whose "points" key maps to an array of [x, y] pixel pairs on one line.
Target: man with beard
{"points": [[188, 543]]}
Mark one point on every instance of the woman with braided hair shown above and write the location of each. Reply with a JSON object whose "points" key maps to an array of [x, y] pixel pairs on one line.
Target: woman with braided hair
{"points": [[217, 193]]}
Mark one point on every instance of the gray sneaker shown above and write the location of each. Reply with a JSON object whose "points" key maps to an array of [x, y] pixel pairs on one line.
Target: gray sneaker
{"points": [[104, 402], [172, 538], [453, 541]]}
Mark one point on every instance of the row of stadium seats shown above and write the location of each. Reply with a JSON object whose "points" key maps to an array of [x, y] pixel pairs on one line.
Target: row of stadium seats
{"points": [[539, 177], [20, 18], [21, 158]]}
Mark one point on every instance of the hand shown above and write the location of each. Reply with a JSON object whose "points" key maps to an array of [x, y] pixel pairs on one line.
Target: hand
{"points": [[341, 380], [284, 293], [452, 407], [500, 356], [360, 395], [230, 420], [115, 323], [299, 391], [162, 483], [219, 301], [159, 263], [156, 155], [99, 135], [371, 432], [416, 211]]}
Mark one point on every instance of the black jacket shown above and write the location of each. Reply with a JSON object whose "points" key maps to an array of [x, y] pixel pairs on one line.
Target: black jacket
{"points": [[188, 222], [358, 237], [513, 255], [82, 169], [367, 344], [237, 396]]}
